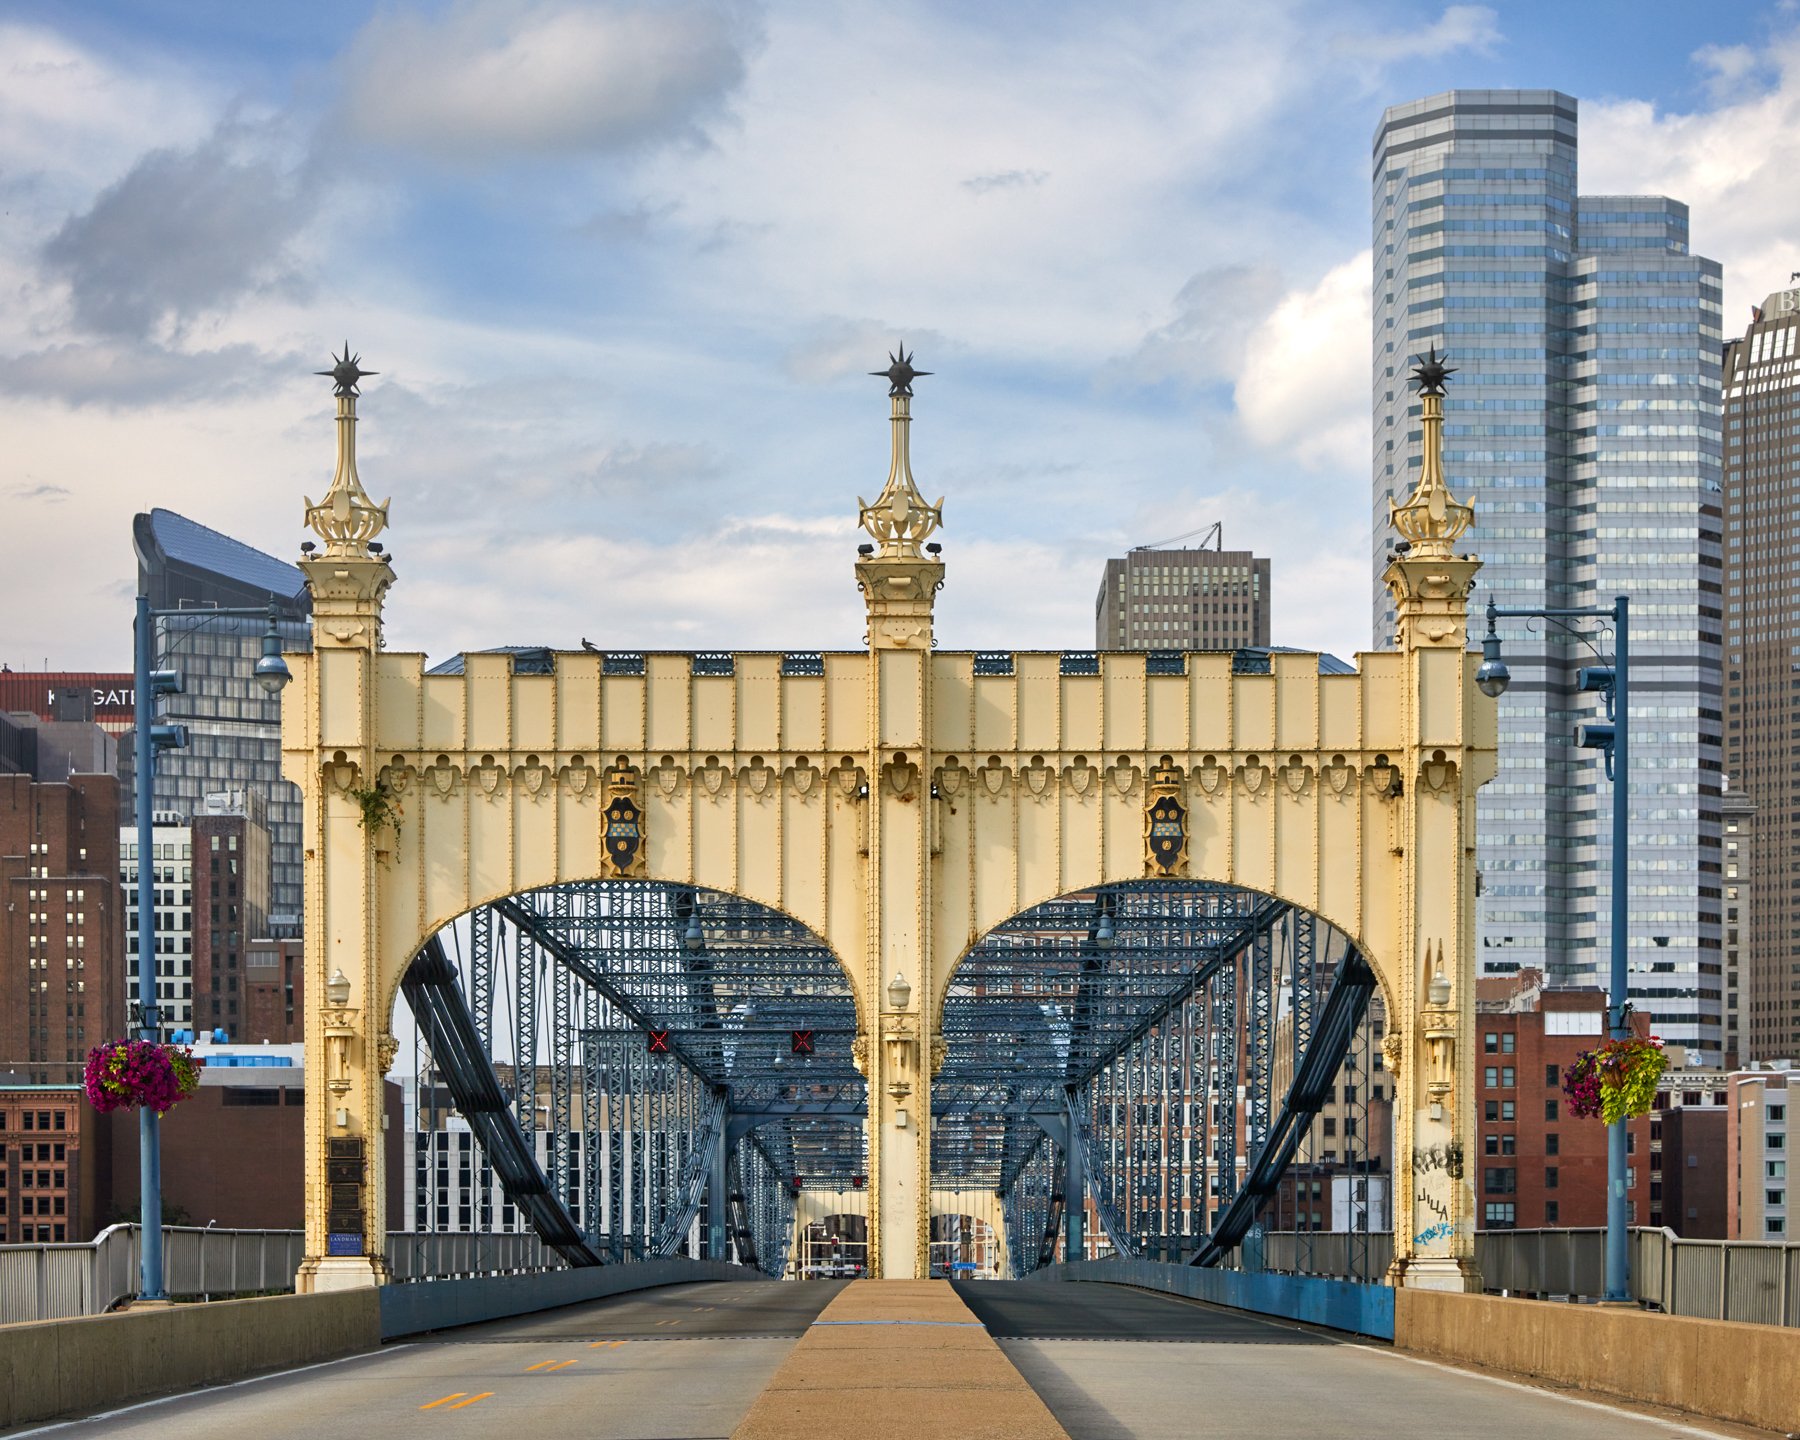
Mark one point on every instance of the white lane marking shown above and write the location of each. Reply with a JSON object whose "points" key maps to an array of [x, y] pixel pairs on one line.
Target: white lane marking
{"points": [[1671, 1426], [205, 1390]]}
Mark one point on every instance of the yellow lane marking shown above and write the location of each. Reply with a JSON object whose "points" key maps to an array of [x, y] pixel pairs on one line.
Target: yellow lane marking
{"points": [[664, 1324], [445, 1401], [540, 1365], [559, 1365], [606, 1344], [464, 1405]]}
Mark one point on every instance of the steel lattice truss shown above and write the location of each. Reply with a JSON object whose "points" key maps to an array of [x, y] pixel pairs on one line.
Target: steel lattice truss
{"points": [[681, 1055]]}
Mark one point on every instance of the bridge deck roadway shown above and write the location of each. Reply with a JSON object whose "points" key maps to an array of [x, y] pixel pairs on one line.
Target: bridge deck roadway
{"points": [[678, 1363], [688, 1361], [1114, 1363]]}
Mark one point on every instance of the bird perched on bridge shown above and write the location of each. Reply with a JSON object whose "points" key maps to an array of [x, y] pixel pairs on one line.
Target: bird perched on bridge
{"points": [[589, 646]]}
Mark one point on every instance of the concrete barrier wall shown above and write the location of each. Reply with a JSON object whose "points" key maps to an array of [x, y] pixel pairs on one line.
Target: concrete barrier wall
{"points": [[1335, 1304], [1718, 1368], [96, 1362], [443, 1304]]}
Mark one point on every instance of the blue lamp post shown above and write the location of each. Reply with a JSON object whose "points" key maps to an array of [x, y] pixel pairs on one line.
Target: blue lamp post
{"points": [[1613, 738], [151, 739]]}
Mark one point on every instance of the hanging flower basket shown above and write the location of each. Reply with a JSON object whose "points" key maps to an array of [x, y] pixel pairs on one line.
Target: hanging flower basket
{"points": [[1615, 1081], [140, 1074]]}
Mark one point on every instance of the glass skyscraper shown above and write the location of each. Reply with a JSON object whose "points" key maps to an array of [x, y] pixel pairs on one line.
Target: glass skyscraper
{"points": [[1584, 422], [234, 728]]}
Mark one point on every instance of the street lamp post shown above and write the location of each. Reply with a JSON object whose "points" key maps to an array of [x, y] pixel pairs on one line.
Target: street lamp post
{"points": [[150, 739], [1613, 738]]}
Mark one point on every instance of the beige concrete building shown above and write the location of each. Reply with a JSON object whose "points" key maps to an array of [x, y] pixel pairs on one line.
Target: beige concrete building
{"points": [[1157, 599], [1756, 1154]]}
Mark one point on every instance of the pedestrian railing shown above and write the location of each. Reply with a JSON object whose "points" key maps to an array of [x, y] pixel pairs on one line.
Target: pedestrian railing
{"points": [[59, 1282], [1754, 1281]]}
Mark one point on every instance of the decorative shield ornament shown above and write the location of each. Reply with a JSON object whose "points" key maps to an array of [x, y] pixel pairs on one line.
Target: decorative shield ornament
{"points": [[1165, 825], [622, 848]]}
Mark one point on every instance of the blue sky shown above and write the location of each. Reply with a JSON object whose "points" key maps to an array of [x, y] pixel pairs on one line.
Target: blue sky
{"points": [[622, 268]]}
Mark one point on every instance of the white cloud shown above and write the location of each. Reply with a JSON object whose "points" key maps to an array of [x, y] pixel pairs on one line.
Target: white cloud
{"points": [[1304, 390], [1460, 27], [1733, 165], [480, 82], [1217, 317]]}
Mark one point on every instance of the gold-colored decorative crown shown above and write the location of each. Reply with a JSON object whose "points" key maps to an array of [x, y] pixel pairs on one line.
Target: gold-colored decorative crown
{"points": [[1432, 519], [346, 519], [900, 520]]}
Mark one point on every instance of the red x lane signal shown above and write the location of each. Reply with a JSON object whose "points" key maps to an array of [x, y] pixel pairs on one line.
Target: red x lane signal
{"points": [[803, 1042], [659, 1042]]}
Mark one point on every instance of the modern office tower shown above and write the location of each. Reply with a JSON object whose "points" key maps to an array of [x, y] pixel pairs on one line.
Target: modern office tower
{"points": [[231, 906], [1738, 816], [172, 847], [1583, 423], [61, 980], [1159, 599], [234, 728], [1762, 660]]}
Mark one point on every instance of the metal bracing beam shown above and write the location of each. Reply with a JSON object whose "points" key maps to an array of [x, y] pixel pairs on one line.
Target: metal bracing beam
{"points": [[695, 1171], [534, 925], [562, 1067], [1259, 1005], [481, 975], [1110, 1221], [1227, 1059], [1313, 1080], [525, 1032], [434, 992]]}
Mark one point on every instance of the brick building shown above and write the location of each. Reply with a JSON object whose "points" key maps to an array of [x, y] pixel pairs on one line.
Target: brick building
{"points": [[230, 847], [61, 940], [1536, 1165], [274, 992], [55, 1164]]}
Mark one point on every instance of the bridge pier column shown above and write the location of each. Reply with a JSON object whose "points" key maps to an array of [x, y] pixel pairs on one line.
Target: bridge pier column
{"points": [[901, 990], [1074, 1201], [1430, 1046], [352, 835]]}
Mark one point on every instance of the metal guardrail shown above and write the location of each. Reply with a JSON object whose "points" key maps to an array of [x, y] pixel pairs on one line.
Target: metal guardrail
{"points": [[1752, 1281], [59, 1282]]}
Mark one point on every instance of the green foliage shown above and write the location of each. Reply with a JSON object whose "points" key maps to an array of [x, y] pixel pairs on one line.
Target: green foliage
{"points": [[380, 808]]}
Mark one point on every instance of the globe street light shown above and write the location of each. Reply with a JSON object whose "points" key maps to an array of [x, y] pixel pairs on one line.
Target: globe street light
{"points": [[1613, 738]]}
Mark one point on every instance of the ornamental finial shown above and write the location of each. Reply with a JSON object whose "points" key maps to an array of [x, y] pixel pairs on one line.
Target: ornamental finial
{"points": [[1431, 519], [900, 519], [346, 519]]}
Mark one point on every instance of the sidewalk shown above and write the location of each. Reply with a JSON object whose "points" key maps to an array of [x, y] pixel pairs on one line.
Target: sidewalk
{"points": [[898, 1360]]}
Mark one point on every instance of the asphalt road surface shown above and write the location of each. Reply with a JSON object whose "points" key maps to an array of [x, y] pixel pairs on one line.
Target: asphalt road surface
{"points": [[679, 1363], [1119, 1364]]}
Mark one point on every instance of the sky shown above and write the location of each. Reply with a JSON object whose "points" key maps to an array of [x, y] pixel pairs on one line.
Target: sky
{"points": [[623, 269]]}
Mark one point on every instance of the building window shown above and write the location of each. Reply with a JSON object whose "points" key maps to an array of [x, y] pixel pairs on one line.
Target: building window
{"points": [[1491, 1110], [1552, 1076], [1550, 1177], [1500, 1180], [1490, 1077], [1549, 1109], [1507, 1078], [1507, 1042], [1552, 1212], [1490, 1042], [1506, 1110], [1500, 1215], [1552, 1143]]}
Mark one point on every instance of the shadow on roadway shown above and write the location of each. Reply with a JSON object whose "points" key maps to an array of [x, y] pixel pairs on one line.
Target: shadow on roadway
{"points": [[1087, 1310]]}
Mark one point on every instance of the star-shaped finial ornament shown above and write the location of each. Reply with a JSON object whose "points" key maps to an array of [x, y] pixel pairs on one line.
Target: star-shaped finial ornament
{"points": [[346, 373], [900, 373], [1431, 373]]}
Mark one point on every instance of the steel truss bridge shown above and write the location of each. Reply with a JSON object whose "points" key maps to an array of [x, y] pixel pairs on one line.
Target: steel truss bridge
{"points": [[651, 1069]]}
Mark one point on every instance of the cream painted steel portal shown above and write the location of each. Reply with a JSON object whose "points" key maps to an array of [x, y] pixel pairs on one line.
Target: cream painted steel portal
{"points": [[900, 805]]}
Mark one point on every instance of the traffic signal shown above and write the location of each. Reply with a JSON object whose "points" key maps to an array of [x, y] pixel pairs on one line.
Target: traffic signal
{"points": [[802, 1042], [659, 1042]]}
